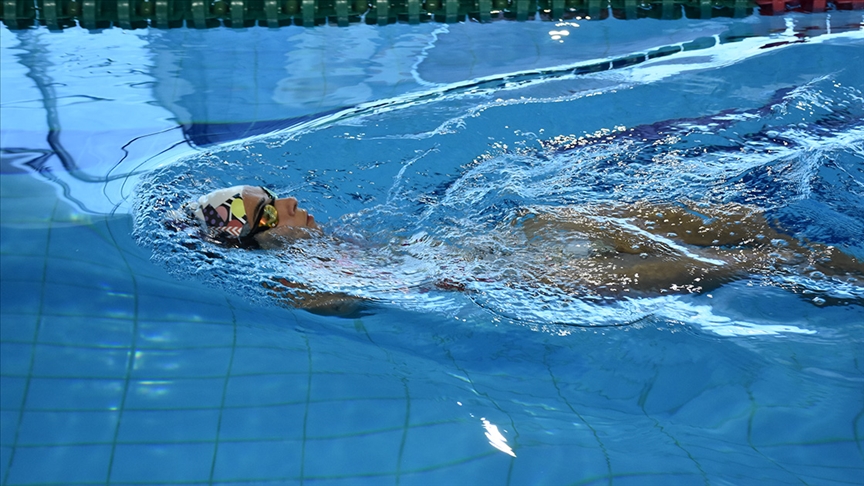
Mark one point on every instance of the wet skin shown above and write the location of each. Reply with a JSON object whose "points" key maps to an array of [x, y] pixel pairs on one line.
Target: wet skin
{"points": [[648, 249], [292, 216]]}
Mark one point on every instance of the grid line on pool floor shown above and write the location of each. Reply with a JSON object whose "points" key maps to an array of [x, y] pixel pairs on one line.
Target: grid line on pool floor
{"points": [[228, 374], [131, 357]]}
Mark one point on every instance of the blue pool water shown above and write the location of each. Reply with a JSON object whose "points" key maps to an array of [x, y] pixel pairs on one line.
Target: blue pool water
{"points": [[133, 354]]}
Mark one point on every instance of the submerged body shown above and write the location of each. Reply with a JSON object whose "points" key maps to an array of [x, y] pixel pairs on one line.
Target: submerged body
{"points": [[609, 251], [647, 249]]}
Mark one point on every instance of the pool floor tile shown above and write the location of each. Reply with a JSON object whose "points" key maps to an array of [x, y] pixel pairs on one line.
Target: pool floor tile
{"points": [[656, 479], [168, 426], [273, 422], [22, 268], [349, 386], [89, 299], [171, 334], [556, 464], [277, 461], [699, 411], [252, 360], [111, 278], [73, 362], [480, 469], [86, 331], [159, 364], [661, 458], [428, 411], [88, 243], [348, 456], [15, 358], [162, 463], [60, 464], [17, 327], [8, 426], [68, 428], [175, 393], [29, 209], [17, 240], [830, 475], [266, 389], [723, 459], [357, 416], [774, 426], [74, 394], [836, 460], [442, 444], [372, 480], [20, 297], [12, 392], [5, 455], [161, 308]]}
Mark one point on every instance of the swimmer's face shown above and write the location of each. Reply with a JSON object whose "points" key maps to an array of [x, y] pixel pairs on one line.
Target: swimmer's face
{"points": [[291, 216]]}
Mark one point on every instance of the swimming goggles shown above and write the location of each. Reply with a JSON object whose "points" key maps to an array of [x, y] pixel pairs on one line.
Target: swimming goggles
{"points": [[269, 217]]}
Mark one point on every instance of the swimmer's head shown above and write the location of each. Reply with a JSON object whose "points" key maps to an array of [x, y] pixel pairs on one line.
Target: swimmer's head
{"points": [[243, 212]]}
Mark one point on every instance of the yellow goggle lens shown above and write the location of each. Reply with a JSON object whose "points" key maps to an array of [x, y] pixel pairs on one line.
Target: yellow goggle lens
{"points": [[269, 217]]}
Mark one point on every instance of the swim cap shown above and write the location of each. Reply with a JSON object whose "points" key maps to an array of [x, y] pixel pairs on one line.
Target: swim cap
{"points": [[225, 211]]}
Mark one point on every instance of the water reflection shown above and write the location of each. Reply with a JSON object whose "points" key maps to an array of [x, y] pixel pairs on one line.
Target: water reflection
{"points": [[162, 93]]}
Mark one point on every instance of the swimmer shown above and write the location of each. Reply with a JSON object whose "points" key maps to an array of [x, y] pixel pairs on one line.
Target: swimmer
{"points": [[613, 250], [248, 216]]}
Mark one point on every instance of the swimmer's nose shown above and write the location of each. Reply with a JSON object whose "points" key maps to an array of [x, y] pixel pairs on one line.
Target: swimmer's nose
{"points": [[292, 206]]}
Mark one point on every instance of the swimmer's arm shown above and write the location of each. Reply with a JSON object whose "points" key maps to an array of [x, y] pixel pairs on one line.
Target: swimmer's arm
{"points": [[337, 305], [321, 303]]}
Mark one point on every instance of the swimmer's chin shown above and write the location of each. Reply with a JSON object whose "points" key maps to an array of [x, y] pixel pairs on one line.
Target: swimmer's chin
{"points": [[281, 236]]}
